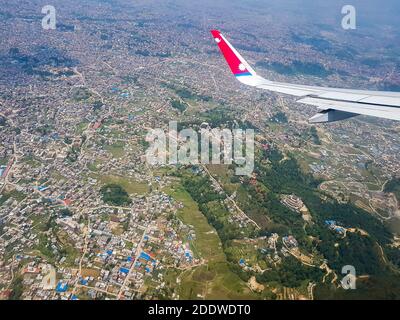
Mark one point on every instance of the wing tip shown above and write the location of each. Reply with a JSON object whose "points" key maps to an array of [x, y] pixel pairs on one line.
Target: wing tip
{"points": [[238, 65], [215, 33]]}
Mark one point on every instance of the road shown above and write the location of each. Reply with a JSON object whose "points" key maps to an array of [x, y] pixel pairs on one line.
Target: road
{"points": [[245, 216]]}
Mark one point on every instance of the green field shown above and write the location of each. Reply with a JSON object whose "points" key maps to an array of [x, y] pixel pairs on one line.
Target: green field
{"points": [[31, 161], [16, 195], [129, 184], [214, 280], [224, 175], [94, 166], [81, 127], [116, 149], [240, 249]]}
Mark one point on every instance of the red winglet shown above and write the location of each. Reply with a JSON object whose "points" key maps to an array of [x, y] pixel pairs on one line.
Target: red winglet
{"points": [[232, 57]]}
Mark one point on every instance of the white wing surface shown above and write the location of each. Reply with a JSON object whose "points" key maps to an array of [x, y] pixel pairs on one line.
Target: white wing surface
{"points": [[335, 104]]}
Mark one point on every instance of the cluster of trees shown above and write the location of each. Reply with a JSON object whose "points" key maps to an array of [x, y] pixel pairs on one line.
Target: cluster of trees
{"points": [[362, 252], [145, 144], [394, 187], [217, 214], [296, 67], [218, 117], [114, 194], [73, 154], [319, 44], [285, 177], [75, 150], [2, 121], [39, 59], [291, 273], [221, 116], [16, 288], [130, 79], [45, 129], [68, 140], [279, 117], [97, 105], [377, 287], [184, 93], [45, 247], [278, 176], [393, 255], [144, 53], [81, 94], [210, 205], [176, 104], [315, 136], [65, 212]]}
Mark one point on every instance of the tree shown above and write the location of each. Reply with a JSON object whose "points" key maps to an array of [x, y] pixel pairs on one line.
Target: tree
{"points": [[114, 194], [16, 288]]}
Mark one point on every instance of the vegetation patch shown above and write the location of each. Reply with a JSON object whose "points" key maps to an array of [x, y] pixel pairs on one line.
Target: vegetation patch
{"points": [[130, 185], [393, 186], [114, 194]]}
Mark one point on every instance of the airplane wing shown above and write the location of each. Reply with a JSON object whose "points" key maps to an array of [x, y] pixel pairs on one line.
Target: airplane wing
{"points": [[334, 104]]}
